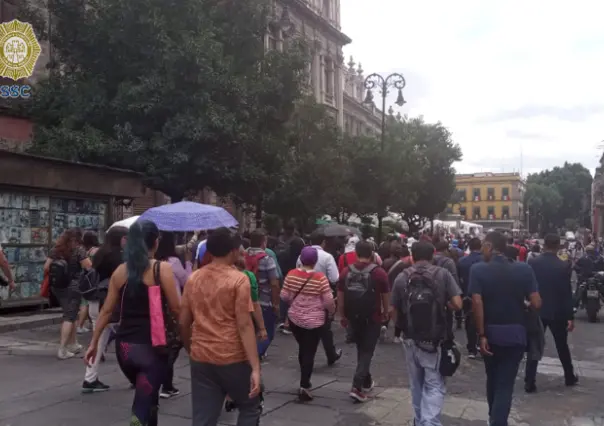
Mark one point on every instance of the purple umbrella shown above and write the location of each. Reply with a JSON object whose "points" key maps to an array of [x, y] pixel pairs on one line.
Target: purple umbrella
{"points": [[189, 216]]}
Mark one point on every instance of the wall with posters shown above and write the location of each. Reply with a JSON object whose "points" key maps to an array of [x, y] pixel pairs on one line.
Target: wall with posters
{"points": [[31, 222]]}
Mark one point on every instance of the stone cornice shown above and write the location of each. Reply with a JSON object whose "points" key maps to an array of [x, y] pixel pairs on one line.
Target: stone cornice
{"points": [[361, 109], [300, 8]]}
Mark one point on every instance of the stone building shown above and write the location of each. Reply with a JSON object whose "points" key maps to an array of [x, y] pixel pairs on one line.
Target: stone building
{"points": [[359, 118]]}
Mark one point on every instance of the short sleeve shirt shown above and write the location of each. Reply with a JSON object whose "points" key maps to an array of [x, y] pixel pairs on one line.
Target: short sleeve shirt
{"points": [[77, 255], [267, 271]]}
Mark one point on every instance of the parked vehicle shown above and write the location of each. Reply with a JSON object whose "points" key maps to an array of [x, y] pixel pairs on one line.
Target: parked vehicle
{"points": [[591, 294]]}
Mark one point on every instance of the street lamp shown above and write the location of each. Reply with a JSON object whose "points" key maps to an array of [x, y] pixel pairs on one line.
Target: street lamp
{"points": [[372, 82], [376, 81]]}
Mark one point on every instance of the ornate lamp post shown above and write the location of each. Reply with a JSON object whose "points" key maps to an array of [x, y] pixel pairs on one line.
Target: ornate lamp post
{"points": [[383, 85]]}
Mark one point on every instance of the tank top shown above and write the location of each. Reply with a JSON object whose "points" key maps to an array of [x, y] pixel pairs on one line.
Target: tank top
{"points": [[135, 325]]}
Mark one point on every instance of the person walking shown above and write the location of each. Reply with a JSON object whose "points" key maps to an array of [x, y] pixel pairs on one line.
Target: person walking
{"points": [[326, 265], [553, 278], [363, 302], [464, 266], [166, 252], [64, 265], [499, 289], [90, 242], [217, 331], [141, 362], [311, 304], [105, 261], [420, 298]]}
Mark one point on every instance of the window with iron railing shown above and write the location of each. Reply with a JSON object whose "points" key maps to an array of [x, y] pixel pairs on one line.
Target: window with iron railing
{"points": [[490, 194], [462, 212], [476, 214], [476, 194], [505, 194], [505, 212], [491, 212]]}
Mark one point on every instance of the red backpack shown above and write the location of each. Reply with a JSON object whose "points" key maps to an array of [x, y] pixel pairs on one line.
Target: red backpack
{"points": [[252, 261]]}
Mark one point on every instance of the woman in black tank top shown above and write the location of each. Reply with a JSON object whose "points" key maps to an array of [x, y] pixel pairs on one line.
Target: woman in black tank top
{"points": [[140, 362]]}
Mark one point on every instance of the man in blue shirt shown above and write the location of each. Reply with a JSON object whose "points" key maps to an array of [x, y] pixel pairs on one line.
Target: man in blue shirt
{"points": [[553, 276], [464, 265], [499, 290]]}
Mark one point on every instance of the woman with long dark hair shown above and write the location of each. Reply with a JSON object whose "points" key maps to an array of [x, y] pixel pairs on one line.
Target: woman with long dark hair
{"points": [[64, 266], [90, 242], [166, 252], [139, 360], [105, 261]]}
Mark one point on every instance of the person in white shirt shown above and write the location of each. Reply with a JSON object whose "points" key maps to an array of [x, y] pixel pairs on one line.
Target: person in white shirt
{"points": [[327, 265]]}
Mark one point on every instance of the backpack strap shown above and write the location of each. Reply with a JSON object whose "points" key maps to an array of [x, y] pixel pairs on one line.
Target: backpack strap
{"points": [[302, 287], [156, 273]]}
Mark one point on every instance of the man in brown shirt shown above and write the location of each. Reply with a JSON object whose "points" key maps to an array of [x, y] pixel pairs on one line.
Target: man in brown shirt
{"points": [[218, 332]]}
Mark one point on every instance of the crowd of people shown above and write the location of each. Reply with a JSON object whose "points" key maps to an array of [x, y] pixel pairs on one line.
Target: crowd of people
{"points": [[223, 297]]}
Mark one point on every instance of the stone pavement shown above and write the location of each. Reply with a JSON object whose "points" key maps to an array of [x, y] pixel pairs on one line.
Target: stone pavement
{"points": [[38, 390]]}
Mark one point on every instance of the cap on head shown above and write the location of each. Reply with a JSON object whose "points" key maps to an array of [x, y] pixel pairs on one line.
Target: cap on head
{"points": [[309, 256]]}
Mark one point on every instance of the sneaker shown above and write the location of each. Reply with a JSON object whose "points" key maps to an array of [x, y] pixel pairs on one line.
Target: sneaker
{"points": [[397, 340], [63, 353], [472, 355], [229, 406], [370, 388], [82, 330], [383, 332], [572, 381], [285, 330], [339, 353], [168, 393], [76, 348], [304, 395], [96, 386], [358, 395]]}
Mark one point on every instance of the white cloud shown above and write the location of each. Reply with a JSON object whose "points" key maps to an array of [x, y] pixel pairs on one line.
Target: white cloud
{"points": [[504, 77]]}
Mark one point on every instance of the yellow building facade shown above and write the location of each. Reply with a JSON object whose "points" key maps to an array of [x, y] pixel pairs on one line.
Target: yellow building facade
{"points": [[490, 199]]}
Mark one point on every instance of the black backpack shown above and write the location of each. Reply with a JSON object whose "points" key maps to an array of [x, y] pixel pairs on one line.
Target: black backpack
{"points": [[359, 293], [424, 314], [59, 275], [89, 285]]}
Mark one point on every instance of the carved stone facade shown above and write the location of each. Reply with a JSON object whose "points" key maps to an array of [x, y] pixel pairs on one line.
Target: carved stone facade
{"points": [[597, 200], [359, 118]]}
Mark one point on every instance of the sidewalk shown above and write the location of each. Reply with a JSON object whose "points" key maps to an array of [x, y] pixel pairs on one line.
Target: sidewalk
{"points": [[29, 320], [46, 392]]}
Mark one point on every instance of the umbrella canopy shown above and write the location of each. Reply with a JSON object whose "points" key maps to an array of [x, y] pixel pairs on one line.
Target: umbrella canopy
{"points": [[337, 230], [189, 216], [126, 223]]}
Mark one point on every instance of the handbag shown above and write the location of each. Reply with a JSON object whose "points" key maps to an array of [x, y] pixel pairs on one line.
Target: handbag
{"points": [[450, 358], [156, 310]]}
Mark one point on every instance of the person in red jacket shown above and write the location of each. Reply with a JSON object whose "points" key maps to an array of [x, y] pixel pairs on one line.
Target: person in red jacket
{"points": [[522, 252]]}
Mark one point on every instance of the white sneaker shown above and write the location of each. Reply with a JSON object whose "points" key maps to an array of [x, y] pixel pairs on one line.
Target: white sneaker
{"points": [[383, 332], [63, 353], [82, 330], [397, 340], [76, 348]]}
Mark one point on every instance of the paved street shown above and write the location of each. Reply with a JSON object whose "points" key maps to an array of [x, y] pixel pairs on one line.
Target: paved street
{"points": [[39, 390]]}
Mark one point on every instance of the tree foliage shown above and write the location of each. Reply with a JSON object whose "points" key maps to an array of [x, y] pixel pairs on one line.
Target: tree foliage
{"points": [[559, 197], [183, 92]]}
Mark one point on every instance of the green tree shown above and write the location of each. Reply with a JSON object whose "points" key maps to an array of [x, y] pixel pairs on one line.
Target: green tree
{"points": [[543, 202], [573, 184], [181, 91]]}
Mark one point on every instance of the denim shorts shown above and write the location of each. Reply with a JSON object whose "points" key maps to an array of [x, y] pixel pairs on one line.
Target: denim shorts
{"points": [[69, 298]]}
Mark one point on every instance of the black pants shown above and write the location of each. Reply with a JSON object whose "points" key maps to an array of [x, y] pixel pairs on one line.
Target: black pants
{"points": [[560, 333], [471, 333], [308, 342], [501, 369], [366, 336], [172, 357], [327, 341]]}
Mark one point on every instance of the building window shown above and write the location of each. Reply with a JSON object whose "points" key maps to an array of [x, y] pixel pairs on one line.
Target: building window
{"points": [[476, 214], [449, 210], [505, 212], [476, 194], [461, 194], [273, 39], [490, 194], [328, 79], [505, 193], [491, 212], [462, 212]]}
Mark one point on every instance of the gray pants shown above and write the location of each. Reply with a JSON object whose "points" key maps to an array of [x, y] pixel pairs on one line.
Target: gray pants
{"points": [[366, 336], [209, 386]]}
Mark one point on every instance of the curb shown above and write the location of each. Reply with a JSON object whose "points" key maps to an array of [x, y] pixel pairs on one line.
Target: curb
{"points": [[34, 323]]}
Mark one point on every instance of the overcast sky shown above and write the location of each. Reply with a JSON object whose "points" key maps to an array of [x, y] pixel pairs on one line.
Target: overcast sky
{"points": [[504, 76]]}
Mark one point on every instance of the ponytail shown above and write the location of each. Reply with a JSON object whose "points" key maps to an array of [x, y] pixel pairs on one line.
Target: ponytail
{"points": [[141, 237]]}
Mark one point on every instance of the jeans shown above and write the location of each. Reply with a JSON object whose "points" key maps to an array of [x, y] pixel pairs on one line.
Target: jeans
{"points": [[501, 369], [427, 385], [366, 336], [560, 333], [327, 341], [209, 386], [283, 309], [268, 315], [92, 371], [308, 342]]}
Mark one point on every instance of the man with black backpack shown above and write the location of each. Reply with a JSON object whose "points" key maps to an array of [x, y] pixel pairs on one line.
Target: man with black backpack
{"points": [[363, 306], [421, 297]]}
